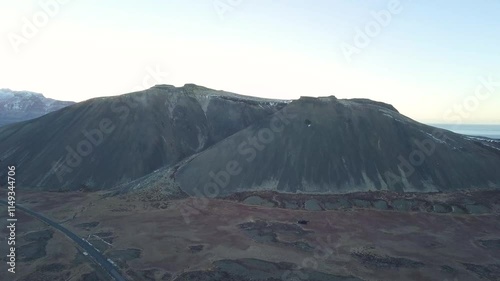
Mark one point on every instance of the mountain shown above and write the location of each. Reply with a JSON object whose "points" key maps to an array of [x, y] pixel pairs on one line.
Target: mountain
{"points": [[106, 141], [17, 106], [197, 141], [329, 145]]}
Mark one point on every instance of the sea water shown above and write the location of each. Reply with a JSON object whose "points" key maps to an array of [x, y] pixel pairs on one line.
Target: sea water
{"points": [[479, 130]]}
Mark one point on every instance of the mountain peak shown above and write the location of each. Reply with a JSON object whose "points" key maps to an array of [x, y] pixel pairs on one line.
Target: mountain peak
{"points": [[186, 86], [310, 145], [5, 92], [376, 103], [17, 106]]}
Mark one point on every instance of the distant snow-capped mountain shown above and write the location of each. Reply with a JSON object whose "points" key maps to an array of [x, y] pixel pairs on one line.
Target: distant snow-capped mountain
{"points": [[17, 106]]}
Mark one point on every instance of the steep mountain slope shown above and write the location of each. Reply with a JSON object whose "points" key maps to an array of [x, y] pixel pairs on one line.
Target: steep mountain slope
{"points": [[106, 141], [197, 141], [326, 145], [17, 106]]}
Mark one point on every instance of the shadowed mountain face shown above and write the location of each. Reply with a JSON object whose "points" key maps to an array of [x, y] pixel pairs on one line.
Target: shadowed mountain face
{"points": [[325, 145], [107, 141], [18, 106], [213, 143]]}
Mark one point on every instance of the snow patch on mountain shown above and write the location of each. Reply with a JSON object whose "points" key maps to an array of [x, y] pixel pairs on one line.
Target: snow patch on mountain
{"points": [[17, 106]]}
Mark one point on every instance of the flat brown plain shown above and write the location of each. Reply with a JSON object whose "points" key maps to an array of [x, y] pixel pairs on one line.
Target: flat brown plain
{"points": [[154, 241]]}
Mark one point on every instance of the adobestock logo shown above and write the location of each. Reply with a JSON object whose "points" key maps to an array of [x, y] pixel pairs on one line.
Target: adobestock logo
{"points": [[363, 37], [486, 88], [94, 137], [323, 251], [222, 7], [31, 26], [75, 156], [249, 148], [153, 77]]}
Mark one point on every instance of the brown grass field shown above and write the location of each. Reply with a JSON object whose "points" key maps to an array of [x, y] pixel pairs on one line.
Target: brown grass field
{"points": [[153, 240]]}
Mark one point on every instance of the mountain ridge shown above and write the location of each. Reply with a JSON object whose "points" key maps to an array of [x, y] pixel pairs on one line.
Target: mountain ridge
{"points": [[182, 138], [18, 106], [368, 147], [157, 127]]}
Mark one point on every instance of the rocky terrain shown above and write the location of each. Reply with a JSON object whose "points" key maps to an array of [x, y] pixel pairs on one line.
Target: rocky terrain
{"points": [[347, 238], [17, 106], [340, 146], [211, 143], [190, 183], [103, 142]]}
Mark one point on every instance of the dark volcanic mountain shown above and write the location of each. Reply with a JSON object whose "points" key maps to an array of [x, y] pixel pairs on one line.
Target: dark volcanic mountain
{"points": [[17, 106], [106, 141], [214, 143], [328, 145]]}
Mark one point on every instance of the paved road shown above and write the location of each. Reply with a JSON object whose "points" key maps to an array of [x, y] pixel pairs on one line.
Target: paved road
{"points": [[96, 255]]}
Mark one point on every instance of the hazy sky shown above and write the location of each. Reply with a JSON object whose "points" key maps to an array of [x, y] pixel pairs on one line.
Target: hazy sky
{"points": [[424, 57]]}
